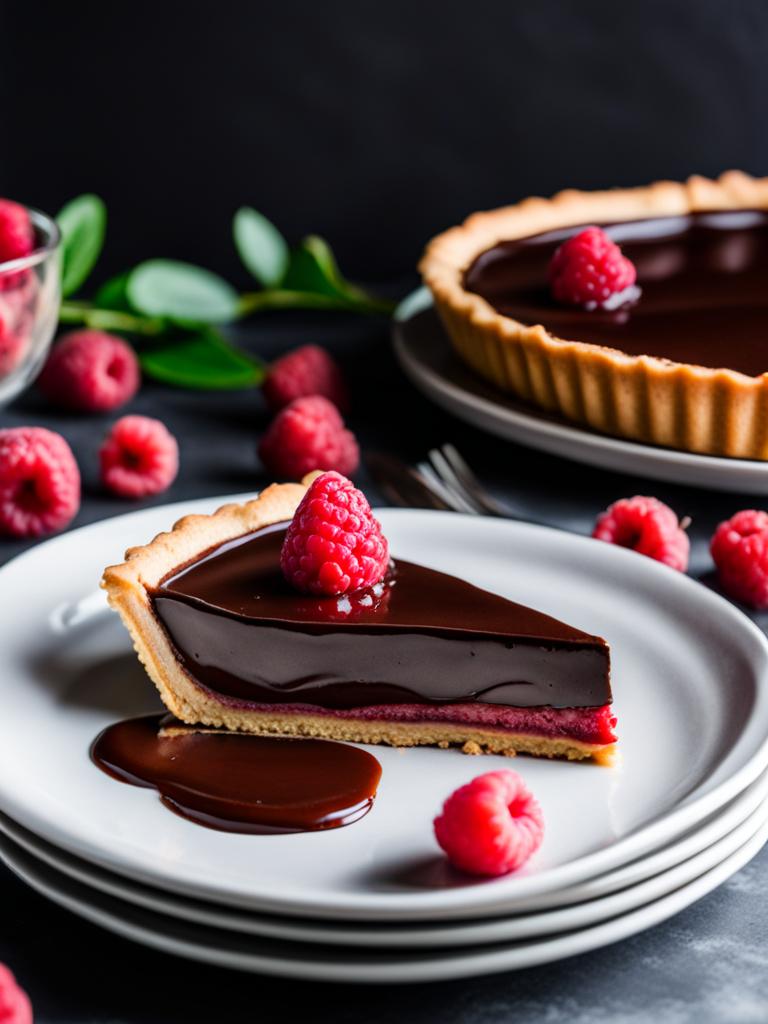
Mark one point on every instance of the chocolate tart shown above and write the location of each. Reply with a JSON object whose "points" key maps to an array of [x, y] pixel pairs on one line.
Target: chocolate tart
{"points": [[684, 365], [420, 658]]}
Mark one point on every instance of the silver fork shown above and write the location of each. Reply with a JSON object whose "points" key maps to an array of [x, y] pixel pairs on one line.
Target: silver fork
{"points": [[449, 475]]}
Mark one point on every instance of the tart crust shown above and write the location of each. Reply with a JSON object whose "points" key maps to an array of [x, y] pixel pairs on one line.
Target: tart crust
{"points": [[129, 586], [643, 398]]}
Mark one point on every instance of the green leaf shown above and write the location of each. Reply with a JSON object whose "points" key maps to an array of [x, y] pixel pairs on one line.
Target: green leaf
{"points": [[183, 293], [313, 268], [83, 225], [203, 361], [112, 294], [262, 248]]}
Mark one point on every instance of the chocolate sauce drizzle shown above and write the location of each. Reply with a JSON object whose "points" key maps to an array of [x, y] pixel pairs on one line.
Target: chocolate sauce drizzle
{"points": [[240, 783]]}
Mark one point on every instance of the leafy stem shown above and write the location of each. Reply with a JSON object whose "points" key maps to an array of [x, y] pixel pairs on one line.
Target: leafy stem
{"points": [[180, 305], [86, 313], [282, 298]]}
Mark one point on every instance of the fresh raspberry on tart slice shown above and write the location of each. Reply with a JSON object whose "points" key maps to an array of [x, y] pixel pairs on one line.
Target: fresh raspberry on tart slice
{"points": [[334, 545]]}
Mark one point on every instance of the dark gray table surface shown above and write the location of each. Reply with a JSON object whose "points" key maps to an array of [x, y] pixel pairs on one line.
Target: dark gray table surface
{"points": [[710, 963]]}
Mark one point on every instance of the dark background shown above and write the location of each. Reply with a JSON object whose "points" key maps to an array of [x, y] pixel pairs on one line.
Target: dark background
{"points": [[374, 124]]}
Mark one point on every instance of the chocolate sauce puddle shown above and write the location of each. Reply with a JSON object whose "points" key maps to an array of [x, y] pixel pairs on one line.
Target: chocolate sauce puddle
{"points": [[239, 783]]}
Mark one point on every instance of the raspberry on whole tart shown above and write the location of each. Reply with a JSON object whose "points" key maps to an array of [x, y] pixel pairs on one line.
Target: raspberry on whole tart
{"points": [[39, 482], [139, 457], [90, 371], [334, 545], [490, 826], [739, 548], [589, 270], [648, 526], [307, 435], [309, 370]]}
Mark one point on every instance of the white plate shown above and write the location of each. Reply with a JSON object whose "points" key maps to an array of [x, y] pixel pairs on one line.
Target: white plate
{"points": [[295, 960], [424, 352], [596, 900], [691, 695]]}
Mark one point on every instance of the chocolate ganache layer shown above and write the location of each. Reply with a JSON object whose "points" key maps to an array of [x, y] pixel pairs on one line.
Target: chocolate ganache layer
{"points": [[420, 636], [703, 282]]}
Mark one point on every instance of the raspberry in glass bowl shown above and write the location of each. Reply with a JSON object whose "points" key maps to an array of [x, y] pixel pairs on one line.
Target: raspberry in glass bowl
{"points": [[30, 294]]}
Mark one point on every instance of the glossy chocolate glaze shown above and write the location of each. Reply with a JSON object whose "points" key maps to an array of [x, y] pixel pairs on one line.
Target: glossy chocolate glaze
{"points": [[703, 281], [419, 637], [238, 783]]}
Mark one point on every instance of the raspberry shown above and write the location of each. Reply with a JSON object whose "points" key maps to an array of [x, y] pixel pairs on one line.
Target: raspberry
{"points": [[589, 270], [15, 1007], [306, 435], [17, 236], [12, 343], [333, 544], [308, 370], [648, 526], [39, 482], [11, 352], [17, 239], [490, 826], [139, 457], [739, 548], [90, 371]]}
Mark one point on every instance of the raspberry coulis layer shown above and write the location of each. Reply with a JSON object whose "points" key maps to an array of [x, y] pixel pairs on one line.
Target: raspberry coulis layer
{"points": [[584, 725], [702, 300], [421, 644]]}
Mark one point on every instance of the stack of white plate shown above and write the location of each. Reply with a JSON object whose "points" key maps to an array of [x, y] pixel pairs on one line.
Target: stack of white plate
{"points": [[625, 847]]}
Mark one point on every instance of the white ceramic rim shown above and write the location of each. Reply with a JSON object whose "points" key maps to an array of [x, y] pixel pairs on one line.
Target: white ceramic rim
{"points": [[662, 873], [381, 968]]}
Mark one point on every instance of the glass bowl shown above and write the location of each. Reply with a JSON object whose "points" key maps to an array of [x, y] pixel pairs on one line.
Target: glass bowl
{"points": [[30, 295]]}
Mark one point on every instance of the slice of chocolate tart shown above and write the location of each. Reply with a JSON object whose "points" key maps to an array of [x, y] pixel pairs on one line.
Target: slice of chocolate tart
{"points": [[421, 657]]}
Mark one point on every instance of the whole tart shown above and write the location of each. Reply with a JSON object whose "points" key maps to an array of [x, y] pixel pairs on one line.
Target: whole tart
{"points": [[684, 365], [420, 658]]}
